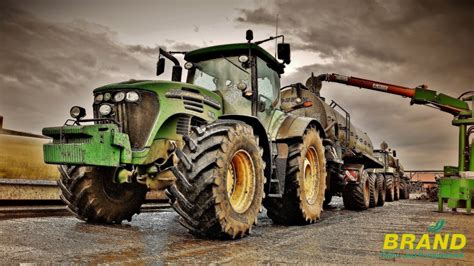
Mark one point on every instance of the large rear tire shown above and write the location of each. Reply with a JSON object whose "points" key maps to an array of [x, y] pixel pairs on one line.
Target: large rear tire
{"points": [[305, 183], [374, 190], [382, 190], [356, 196], [390, 188], [91, 194], [219, 188]]}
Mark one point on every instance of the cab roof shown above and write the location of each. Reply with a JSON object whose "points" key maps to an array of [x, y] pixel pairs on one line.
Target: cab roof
{"points": [[234, 49]]}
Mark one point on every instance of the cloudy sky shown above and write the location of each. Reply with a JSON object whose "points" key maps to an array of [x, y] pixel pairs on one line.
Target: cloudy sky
{"points": [[54, 52]]}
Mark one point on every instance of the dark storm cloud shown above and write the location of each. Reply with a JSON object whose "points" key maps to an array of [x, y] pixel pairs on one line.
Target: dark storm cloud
{"points": [[45, 67], [401, 42], [180, 46], [152, 51], [169, 45], [375, 29], [257, 16]]}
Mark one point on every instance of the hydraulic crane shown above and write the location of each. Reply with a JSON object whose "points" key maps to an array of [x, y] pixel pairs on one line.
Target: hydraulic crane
{"points": [[457, 184]]}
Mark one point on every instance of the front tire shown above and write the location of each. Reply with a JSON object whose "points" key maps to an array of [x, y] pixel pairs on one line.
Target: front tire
{"points": [[305, 183], [219, 188], [91, 194]]}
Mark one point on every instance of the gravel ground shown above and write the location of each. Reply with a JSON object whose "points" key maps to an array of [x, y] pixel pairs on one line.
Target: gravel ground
{"points": [[341, 236]]}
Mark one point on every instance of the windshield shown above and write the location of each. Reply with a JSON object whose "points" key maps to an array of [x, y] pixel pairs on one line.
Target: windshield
{"points": [[220, 74]]}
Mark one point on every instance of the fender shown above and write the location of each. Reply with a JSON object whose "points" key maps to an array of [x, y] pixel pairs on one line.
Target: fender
{"points": [[295, 126]]}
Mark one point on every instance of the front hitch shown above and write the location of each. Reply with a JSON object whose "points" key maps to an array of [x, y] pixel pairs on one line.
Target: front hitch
{"points": [[97, 145]]}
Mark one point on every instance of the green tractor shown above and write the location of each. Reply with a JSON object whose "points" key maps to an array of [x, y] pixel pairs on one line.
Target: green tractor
{"points": [[220, 143]]}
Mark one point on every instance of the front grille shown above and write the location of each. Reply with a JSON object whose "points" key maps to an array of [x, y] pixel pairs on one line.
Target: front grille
{"points": [[136, 119]]}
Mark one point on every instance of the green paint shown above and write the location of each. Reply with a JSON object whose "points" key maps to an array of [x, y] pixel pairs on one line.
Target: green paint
{"points": [[101, 145], [458, 191], [424, 96]]}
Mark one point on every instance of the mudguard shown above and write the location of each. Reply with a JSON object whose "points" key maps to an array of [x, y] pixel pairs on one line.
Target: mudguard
{"points": [[295, 126]]}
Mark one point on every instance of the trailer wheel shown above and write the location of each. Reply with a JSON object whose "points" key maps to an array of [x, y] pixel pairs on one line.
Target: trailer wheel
{"points": [[380, 181], [396, 188], [390, 188], [356, 196], [404, 190], [219, 188], [374, 190], [305, 183], [91, 194]]}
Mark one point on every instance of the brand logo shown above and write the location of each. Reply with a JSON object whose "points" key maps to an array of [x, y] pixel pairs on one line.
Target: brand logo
{"points": [[433, 244], [436, 227]]}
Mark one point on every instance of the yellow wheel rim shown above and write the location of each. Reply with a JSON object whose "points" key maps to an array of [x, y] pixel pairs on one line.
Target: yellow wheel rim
{"points": [[240, 181], [311, 175]]}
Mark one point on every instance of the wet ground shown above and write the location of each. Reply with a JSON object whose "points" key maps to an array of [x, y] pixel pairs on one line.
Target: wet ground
{"points": [[153, 238]]}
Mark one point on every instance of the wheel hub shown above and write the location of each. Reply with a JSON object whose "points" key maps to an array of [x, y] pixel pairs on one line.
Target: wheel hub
{"points": [[240, 181], [311, 175]]}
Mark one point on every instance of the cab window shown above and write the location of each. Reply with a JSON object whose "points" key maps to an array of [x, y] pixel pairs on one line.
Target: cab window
{"points": [[220, 74], [268, 81]]}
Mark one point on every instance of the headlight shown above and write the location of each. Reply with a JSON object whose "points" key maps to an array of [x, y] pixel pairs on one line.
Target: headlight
{"points": [[132, 96], [77, 112], [105, 109], [243, 59], [107, 96], [98, 98], [119, 96], [241, 86]]}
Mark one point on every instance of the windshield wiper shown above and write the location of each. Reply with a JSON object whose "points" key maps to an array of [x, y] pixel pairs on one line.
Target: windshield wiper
{"points": [[237, 66]]}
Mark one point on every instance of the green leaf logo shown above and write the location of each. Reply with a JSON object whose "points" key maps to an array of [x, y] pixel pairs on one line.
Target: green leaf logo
{"points": [[436, 227]]}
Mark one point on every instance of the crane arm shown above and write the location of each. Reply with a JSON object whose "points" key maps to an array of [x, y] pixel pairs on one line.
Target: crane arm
{"points": [[418, 95]]}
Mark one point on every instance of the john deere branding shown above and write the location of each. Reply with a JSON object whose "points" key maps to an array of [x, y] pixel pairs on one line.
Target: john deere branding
{"points": [[433, 244]]}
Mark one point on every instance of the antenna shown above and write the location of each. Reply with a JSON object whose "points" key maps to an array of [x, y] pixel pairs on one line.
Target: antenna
{"points": [[276, 34]]}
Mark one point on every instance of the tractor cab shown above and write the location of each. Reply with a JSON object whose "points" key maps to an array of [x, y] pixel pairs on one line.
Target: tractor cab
{"points": [[246, 76]]}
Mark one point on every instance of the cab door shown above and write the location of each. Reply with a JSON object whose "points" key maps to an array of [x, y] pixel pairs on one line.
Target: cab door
{"points": [[268, 100]]}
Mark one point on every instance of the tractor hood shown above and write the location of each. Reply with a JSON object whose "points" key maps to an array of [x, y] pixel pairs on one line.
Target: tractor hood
{"points": [[147, 116], [154, 106], [159, 86]]}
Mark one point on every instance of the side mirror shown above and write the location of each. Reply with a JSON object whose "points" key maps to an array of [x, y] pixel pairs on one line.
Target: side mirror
{"points": [[284, 52], [160, 66], [249, 35]]}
